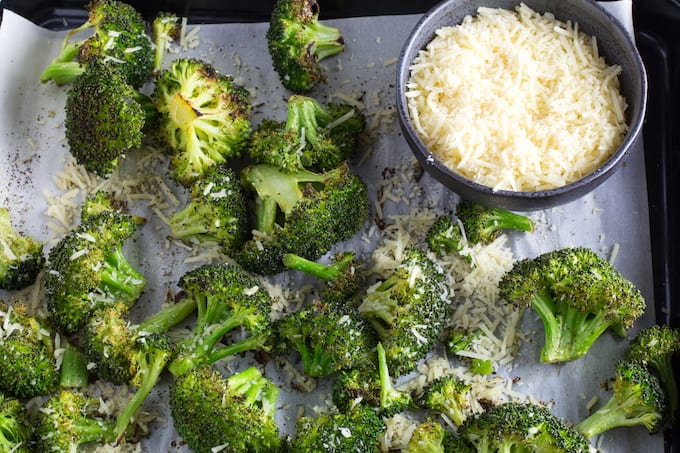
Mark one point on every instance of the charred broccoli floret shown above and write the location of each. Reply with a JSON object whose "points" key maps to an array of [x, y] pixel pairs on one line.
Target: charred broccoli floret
{"points": [[297, 42], [21, 257], [578, 296], [118, 39], [236, 414], [204, 117], [165, 29], [409, 310], [314, 136], [15, 428], [446, 395]]}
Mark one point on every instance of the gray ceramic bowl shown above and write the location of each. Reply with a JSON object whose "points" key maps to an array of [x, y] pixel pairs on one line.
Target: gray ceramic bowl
{"points": [[614, 43]]}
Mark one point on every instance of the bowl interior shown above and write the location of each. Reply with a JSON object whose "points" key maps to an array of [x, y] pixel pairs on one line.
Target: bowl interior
{"points": [[614, 43]]}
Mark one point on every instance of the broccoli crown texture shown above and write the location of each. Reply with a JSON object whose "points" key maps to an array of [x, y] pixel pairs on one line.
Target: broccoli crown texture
{"points": [[431, 437], [446, 395], [578, 296], [15, 428], [217, 210], [236, 414], [165, 28], [521, 427], [21, 257], [356, 430], [118, 39], [204, 117], [409, 310], [637, 399], [227, 298], [483, 224], [297, 41], [357, 386], [444, 236], [27, 364], [329, 337]]}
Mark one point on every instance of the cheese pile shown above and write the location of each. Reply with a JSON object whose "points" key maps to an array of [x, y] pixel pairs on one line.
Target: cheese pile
{"points": [[516, 100]]}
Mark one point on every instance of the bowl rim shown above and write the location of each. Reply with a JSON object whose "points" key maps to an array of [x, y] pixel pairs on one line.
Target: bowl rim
{"points": [[550, 197]]}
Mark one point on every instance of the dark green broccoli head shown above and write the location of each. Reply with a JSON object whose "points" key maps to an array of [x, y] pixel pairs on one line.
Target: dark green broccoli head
{"points": [[357, 386], [217, 210], [409, 310], [446, 395], [205, 117], [21, 257], [357, 430], [431, 437], [521, 427], [28, 366], [329, 337], [236, 414], [444, 236], [15, 427], [483, 224], [166, 28], [297, 41]]}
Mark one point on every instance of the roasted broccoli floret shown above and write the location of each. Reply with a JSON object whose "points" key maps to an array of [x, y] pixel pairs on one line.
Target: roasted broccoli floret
{"points": [[314, 136], [444, 236], [204, 117], [637, 399], [431, 437], [227, 299], [15, 428], [392, 401], [578, 296], [329, 336], [217, 210], [118, 39], [165, 29], [21, 257], [87, 269], [460, 340], [655, 346], [409, 310], [354, 431], [297, 42], [446, 395], [235, 414], [521, 427], [316, 211], [105, 118]]}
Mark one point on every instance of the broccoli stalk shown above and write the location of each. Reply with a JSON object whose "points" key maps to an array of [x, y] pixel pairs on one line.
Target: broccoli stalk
{"points": [[165, 28], [392, 401], [15, 430], [342, 278], [446, 395], [74, 371], [483, 224], [21, 257]]}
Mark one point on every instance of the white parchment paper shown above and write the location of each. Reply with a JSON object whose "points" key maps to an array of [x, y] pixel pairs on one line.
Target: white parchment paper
{"points": [[32, 149]]}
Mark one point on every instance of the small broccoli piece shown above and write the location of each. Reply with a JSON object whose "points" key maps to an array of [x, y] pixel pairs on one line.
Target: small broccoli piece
{"points": [[204, 117], [217, 210], [431, 437], [409, 310], [357, 386], [355, 431], [165, 29], [444, 236], [578, 296], [446, 395], [637, 399], [297, 42], [458, 340], [105, 118], [87, 269], [329, 337], [314, 136], [483, 224], [656, 346], [21, 257], [317, 210], [392, 401], [118, 39], [521, 427], [15, 428], [228, 298], [236, 414]]}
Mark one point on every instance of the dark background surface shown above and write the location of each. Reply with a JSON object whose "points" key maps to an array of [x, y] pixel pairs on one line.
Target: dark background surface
{"points": [[657, 25]]}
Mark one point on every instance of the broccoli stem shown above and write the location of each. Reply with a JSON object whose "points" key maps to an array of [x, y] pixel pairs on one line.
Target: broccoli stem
{"points": [[316, 362], [322, 271], [93, 430], [265, 211], [255, 387], [255, 341], [302, 118], [120, 278], [379, 307], [326, 40], [189, 221], [73, 371], [169, 317], [664, 367], [63, 69], [501, 219], [620, 410], [388, 394]]}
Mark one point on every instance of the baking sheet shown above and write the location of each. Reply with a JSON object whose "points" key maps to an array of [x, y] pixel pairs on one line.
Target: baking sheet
{"points": [[613, 217]]}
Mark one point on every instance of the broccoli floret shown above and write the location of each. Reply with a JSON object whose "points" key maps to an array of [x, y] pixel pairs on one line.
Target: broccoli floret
{"points": [[409, 310], [217, 210], [656, 346], [444, 236], [118, 39], [637, 399], [204, 117], [21, 257], [431, 437], [314, 136], [105, 118], [392, 401], [236, 414], [355, 431], [15, 428], [87, 269], [329, 336], [483, 224], [165, 28], [458, 340], [578, 296], [227, 299], [297, 42], [446, 395], [317, 210], [521, 427]]}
